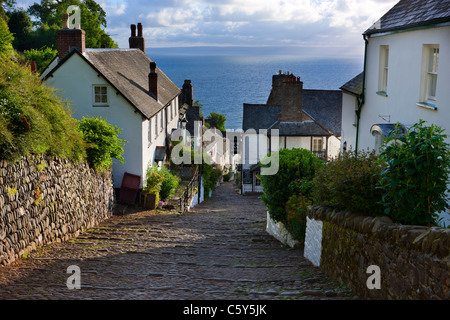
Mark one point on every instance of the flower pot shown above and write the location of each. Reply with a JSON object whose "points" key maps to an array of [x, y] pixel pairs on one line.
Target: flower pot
{"points": [[149, 200]]}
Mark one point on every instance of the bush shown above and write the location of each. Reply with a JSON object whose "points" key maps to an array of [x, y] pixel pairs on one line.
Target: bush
{"points": [[153, 180], [294, 164], [415, 177], [350, 182], [104, 143], [296, 209], [33, 119], [169, 185]]}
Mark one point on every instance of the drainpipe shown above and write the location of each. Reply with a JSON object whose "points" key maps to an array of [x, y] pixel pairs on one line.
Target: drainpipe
{"points": [[361, 99]]}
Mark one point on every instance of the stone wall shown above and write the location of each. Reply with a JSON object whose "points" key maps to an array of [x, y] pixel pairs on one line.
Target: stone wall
{"points": [[43, 200], [413, 261]]}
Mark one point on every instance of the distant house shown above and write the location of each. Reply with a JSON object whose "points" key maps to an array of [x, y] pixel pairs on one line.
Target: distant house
{"points": [[406, 76], [124, 86], [308, 119]]}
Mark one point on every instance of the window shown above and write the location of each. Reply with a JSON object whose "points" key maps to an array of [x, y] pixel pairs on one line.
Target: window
{"points": [[100, 95], [430, 65], [317, 144], [156, 125], [383, 70], [162, 119], [149, 131]]}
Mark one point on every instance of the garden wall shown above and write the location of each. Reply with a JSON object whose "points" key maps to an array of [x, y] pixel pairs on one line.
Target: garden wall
{"points": [[413, 261], [43, 200]]}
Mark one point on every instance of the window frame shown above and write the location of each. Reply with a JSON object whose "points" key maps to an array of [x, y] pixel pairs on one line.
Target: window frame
{"points": [[428, 62], [383, 70], [94, 95]]}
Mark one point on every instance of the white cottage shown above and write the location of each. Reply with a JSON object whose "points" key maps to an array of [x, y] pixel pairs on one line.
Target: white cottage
{"points": [[406, 76], [123, 86]]}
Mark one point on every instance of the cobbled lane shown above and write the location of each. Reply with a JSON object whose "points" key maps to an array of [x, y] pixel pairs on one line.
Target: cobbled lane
{"points": [[219, 250]]}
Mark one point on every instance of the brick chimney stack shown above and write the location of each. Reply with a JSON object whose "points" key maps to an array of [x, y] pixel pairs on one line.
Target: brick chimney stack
{"points": [[188, 93], [138, 41], [153, 80], [70, 38], [291, 99]]}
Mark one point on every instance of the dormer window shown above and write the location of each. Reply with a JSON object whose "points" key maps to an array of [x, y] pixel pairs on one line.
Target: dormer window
{"points": [[100, 93]]}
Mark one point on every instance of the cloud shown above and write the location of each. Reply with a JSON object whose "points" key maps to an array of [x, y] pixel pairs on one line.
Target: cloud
{"points": [[318, 23]]}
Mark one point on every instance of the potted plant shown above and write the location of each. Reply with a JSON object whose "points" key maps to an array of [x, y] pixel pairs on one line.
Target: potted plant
{"points": [[150, 194]]}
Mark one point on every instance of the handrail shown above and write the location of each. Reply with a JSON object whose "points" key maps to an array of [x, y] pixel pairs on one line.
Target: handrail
{"points": [[186, 196]]}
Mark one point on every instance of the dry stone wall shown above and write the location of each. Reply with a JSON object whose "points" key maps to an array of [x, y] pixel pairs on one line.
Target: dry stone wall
{"points": [[413, 261], [43, 200]]}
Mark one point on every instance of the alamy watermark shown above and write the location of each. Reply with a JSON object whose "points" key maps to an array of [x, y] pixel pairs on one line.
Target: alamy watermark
{"points": [[374, 280]]}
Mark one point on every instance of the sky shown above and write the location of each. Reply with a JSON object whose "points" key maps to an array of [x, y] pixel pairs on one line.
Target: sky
{"points": [[319, 27]]}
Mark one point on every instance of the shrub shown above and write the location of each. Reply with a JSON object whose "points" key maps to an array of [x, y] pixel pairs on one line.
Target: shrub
{"points": [[104, 143], [296, 209], [294, 164], [350, 182], [153, 180], [415, 177], [33, 119], [169, 185]]}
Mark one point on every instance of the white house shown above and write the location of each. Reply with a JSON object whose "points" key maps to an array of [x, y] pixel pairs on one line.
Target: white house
{"points": [[406, 75], [123, 86], [308, 119]]}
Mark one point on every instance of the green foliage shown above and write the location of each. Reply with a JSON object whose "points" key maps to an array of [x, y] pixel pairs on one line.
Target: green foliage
{"points": [[210, 178], [33, 119], [104, 142], [218, 119], [294, 164], [415, 177], [170, 183], [296, 209], [6, 38], [153, 180], [48, 20], [42, 56], [350, 182]]}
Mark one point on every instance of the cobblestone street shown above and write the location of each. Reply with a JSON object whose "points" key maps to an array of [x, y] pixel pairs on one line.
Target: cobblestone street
{"points": [[219, 250]]}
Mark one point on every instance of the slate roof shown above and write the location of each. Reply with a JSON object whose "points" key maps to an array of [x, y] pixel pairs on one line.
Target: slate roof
{"points": [[323, 106], [412, 13], [354, 86], [127, 71]]}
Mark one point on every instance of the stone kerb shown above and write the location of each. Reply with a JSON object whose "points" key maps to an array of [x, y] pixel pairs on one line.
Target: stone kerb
{"points": [[45, 199], [414, 261]]}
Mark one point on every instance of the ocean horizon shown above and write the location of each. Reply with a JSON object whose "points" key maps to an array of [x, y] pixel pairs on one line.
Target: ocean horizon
{"points": [[224, 80]]}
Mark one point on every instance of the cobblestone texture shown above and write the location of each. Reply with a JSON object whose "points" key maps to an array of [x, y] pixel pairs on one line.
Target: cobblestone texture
{"points": [[219, 250]]}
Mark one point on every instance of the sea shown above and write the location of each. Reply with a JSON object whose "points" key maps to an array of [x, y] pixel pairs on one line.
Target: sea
{"points": [[224, 82]]}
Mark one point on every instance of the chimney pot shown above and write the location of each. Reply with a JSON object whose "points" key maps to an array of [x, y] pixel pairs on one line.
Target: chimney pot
{"points": [[65, 20], [153, 80], [139, 29], [133, 30]]}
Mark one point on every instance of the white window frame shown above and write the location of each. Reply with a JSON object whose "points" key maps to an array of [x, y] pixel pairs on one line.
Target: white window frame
{"points": [[429, 79], [101, 95], [317, 144], [383, 72]]}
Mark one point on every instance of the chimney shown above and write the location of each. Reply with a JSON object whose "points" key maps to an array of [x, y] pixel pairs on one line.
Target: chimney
{"points": [[70, 38], [291, 100], [137, 42], [153, 80], [188, 93]]}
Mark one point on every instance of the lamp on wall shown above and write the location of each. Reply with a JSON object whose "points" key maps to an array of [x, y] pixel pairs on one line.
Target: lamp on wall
{"points": [[345, 146]]}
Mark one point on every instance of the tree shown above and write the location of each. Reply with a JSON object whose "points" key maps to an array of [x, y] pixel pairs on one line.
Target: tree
{"points": [[6, 38], [48, 20], [218, 120]]}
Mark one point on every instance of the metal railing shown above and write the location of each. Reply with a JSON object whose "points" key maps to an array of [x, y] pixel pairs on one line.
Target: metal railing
{"points": [[189, 191]]}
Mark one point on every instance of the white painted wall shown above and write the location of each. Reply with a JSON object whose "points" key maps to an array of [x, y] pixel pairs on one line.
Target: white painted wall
{"points": [[348, 129], [404, 82]]}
